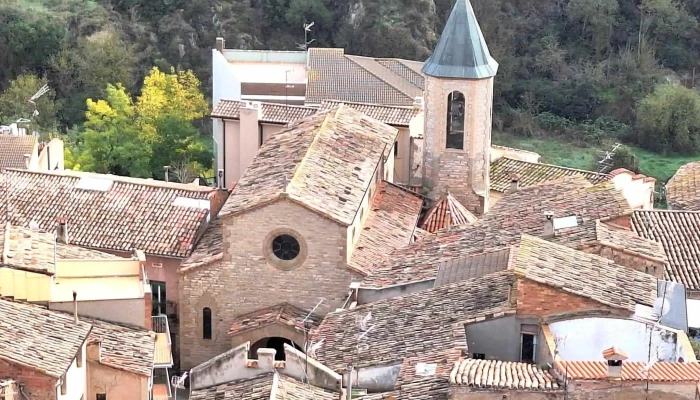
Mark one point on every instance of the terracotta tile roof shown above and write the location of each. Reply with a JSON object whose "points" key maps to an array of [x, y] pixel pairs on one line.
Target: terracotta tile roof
{"points": [[632, 371], [473, 266], [126, 348], [389, 226], [534, 173], [679, 234], [516, 213], [26, 249], [285, 314], [13, 149], [324, 162], [493, 374], [209, 248], [334, 75], [261, 388], [420, 323], [409, 70], [420, 234], [683, 189], [390, 115], [129, 214], [271, 113], [437, 217], [35, 337], [583, 274], [629, 241]]}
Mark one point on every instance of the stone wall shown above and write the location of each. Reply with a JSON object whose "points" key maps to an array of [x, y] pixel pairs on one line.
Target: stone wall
{"points": [[37, 385], [245, 280], [629, 260], [464, 172]]}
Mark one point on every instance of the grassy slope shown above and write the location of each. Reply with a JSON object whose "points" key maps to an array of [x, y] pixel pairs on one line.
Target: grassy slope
{"points": [[571, 155]]}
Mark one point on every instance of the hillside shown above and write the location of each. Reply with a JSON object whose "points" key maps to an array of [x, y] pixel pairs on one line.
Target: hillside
{"points": [[573, 69]]}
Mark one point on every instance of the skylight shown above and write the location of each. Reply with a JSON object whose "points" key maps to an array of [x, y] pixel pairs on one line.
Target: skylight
{"points": [[565, 222], [90, 183]]}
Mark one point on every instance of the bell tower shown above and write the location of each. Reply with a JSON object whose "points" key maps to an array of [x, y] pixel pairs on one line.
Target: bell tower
{"points": [[458, 105]]}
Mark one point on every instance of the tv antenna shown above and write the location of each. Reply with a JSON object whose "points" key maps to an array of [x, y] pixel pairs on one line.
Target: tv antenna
{"points": [[32, 100], [307, 28]]}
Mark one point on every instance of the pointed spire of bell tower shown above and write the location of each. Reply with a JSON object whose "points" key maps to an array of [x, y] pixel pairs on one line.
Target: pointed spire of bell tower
{"points": [[461, 51]]}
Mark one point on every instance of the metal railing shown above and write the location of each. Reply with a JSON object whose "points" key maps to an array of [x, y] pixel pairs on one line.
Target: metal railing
{"points": [[160, 325]]}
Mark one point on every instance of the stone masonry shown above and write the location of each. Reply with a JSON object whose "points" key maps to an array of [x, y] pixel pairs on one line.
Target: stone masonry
{"points": [[244, 281], [465, 173]]}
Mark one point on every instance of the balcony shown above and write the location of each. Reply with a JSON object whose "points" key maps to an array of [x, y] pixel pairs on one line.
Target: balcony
{"points": [[163, 353]]}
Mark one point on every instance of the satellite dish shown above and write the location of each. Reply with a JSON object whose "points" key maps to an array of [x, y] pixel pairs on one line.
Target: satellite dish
{"points": [[662, 306]]}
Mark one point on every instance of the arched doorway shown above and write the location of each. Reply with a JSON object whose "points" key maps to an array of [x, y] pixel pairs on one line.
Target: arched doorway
{"points": [[276, 343]]}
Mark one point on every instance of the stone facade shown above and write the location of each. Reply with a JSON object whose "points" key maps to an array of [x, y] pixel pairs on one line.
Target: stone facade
{"points": [[541, 301], [629, 260], [37, 385], [245, 281], [465, 173]]}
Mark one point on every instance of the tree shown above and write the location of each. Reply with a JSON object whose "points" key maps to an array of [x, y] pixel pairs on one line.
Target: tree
{"points": [[14, 104], [112, 140], [668, 120]]}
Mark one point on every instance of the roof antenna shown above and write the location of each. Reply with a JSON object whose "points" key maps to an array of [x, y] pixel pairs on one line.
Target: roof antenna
{"points": [[304, 46]]}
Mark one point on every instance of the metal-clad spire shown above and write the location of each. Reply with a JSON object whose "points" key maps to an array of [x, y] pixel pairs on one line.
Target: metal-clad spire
{"points": [[461, 51]]}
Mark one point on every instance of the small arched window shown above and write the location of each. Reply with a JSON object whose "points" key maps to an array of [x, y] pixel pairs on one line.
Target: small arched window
{"points": [[206, 323], [455, 121]]}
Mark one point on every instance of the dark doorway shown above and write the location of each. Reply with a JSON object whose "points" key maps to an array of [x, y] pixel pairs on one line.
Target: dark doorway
{"points": [[158, 298], [276, 343]]}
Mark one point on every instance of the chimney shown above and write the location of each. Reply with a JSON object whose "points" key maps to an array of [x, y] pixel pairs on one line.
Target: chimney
{"points": [[166, 169], [266, 359], [548, 224], [250, 133], [514, 182], [220, 44], [448, 220], [62, 230], [75, 306], [26, 160], [614, 357]]}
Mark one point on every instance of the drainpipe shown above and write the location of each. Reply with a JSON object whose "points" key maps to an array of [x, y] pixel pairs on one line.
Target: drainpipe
{"points": [[223, 122]]}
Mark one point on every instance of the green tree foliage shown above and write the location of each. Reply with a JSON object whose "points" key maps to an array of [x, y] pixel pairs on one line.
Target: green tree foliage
{"points": [[14, 104], [139, 138], [668, 120], [112, 142]]}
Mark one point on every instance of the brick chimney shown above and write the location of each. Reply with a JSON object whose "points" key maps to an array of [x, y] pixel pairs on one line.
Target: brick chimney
{"points": [[220, 44], [614, 357], [548, 224], [62, 230], [514, 182]]}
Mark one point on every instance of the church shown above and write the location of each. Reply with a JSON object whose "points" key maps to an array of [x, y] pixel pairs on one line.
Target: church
{"points": [[364, 157]]}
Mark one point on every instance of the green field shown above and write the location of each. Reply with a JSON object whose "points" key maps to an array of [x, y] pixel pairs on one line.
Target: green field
{"points": [[572, 155]]}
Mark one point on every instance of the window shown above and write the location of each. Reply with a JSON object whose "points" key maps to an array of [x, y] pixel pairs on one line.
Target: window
{"points": [[455, 121], [285, 247], [206, 323], [396, 149], [528, 346], [479, 356], [64, 385], [101, 396], [158, 298]]}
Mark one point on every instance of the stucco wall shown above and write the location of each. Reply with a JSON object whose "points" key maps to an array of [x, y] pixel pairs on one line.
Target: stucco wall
{"points": [[464, 172], [76, 379], [244, 281], [116, 384], [125, 311]]}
